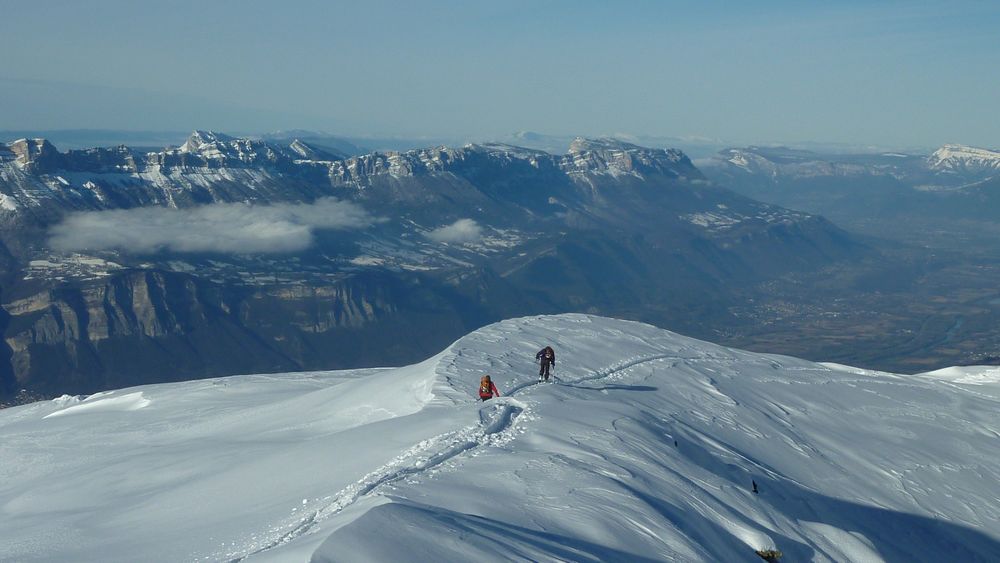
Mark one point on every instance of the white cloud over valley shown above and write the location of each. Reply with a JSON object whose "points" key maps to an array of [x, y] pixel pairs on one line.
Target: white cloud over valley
{"points": [[220, 227], [461, 231]]}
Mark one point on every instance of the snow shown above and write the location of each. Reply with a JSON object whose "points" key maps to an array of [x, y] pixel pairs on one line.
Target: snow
{"points": [[8, 203], [968, 375], [367, 261], [94, 188], [128, 402], [710, 220], [643, 449], [950, 157], [76, 265]]}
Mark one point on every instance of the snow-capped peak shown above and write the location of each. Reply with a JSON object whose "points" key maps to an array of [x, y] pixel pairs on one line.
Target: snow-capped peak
{"points": [[953, 157], [198, 140]]}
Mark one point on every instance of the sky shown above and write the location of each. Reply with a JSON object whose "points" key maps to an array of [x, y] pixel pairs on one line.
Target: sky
{"points": [[892, 73]]}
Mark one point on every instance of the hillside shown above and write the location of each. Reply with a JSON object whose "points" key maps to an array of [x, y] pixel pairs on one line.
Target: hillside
{"points": [[643, 449]]}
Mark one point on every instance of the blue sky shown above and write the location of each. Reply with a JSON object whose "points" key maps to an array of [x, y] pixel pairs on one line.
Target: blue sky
{"points": [[898, 74]]}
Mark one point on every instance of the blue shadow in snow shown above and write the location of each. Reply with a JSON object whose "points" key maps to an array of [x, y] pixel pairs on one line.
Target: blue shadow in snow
{"points": [[612, 387], [898, 537]]}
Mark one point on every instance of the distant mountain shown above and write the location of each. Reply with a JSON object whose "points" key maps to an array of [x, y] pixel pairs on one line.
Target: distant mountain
{"points": [[87, 138], [870, 191], [333, 143], [361, 145], [695, 147], [961, 159], [951, 166], [227, 255]]}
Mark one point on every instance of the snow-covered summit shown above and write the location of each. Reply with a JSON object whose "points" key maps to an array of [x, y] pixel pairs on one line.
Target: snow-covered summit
{"points": [[643, 449], [617, 157], [956, 158], [214, 146], [199, 140]]}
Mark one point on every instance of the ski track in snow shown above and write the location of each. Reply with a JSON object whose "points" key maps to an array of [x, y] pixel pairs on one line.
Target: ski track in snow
{"points": [[433, 452], [429, 453]]}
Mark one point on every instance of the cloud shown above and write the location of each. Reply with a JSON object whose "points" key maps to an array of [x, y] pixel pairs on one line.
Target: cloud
{"points": [[461, 231], [232, 228]]}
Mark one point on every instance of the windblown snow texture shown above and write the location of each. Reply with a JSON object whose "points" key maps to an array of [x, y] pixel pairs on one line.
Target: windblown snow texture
{"points": [[644, 449]]}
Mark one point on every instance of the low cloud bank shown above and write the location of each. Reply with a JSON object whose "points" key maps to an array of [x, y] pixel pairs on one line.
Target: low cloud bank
{"points": [[461, 231], [231, 228]]}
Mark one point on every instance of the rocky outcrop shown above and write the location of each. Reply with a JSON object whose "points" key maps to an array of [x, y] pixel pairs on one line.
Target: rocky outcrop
{"points": [[36, 155], [613, 156], [150, 326], [75, 322]]}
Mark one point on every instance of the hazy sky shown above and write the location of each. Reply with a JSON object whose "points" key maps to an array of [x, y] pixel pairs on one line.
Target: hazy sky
{"points": [[906, 73]]}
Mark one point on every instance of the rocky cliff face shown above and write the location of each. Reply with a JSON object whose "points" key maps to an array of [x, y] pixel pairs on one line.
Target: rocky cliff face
{"points": [[146, 326]]}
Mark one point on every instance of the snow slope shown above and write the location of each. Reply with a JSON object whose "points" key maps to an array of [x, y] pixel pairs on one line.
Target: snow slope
{"points": [[643, 450]]}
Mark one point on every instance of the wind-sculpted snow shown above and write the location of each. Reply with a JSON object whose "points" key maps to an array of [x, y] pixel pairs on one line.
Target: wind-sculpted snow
{"points": [[95, 403], [643, 448]]}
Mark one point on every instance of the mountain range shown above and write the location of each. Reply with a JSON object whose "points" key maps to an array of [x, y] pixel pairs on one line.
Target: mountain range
{"points": [[226, 255]]}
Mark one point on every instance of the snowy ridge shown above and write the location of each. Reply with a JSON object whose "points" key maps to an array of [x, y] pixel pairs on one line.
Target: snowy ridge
{"points": [[30, 170], [952, 158], [778, 162], [968, 375], [643, 449]]}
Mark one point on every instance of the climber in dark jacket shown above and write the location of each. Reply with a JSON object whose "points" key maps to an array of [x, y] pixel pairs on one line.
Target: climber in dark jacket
{"points": [[546, 359]]}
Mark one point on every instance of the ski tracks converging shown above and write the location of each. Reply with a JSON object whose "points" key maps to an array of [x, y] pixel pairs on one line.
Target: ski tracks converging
{"points": [[497, 425]]}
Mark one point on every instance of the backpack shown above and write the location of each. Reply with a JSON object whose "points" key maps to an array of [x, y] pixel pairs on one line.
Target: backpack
{"points": [[485, 387]]}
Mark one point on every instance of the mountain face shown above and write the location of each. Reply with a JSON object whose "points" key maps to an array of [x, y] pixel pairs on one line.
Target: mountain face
{"points": [[228, 255], [960, 159], [646, 446]]}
